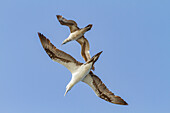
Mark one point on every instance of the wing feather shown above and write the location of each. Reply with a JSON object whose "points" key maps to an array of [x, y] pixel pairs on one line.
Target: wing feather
{"points": [[57, 55], [70, 23], [101, 90], [84, 48]]}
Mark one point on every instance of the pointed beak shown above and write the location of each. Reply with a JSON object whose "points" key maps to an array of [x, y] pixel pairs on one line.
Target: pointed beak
{"points": [[64, 42], [65, 92]]}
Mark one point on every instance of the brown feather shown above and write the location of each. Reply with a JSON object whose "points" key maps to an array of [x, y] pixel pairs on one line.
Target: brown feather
{"points": [[101, 90], [55, 53]]}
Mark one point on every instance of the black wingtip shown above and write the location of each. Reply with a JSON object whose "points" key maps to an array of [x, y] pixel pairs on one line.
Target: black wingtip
{"points": [[126, 103], [40, 35], [38, 32], [42, 38]]}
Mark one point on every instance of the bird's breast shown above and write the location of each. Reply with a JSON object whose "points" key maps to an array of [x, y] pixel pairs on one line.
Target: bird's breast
{"points": [[75, 35], [81, 73]]}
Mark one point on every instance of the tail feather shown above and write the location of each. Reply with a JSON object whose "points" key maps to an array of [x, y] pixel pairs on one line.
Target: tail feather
{"points": [[94, 58], [88, 27]]}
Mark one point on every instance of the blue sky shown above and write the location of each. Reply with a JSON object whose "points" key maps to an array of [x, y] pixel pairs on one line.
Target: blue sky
{"points": [[135, 63]]}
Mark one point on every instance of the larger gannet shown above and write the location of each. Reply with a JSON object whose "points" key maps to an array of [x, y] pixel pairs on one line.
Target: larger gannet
{"points": [[82, 40], [80, 71]]}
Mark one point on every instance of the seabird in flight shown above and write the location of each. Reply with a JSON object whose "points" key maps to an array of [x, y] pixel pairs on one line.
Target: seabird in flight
{"points": [[81, 40], [78, 70]]}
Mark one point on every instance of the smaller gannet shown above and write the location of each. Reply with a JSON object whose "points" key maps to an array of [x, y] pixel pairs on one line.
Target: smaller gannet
{"points": [[75, 34], [82, 40], [78, 70]]}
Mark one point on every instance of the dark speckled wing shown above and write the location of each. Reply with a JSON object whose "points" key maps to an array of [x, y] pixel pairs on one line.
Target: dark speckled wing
{"points": [[57, 55], [101, 90], [70, 23]]}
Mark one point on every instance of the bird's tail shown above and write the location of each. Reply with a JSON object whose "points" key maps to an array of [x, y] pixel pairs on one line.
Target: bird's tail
{"points": [[87, 28], [94, 58]]}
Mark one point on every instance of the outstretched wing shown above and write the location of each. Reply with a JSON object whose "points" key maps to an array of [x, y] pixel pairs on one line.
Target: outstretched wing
{"points": [[82, 41], [101, 90], [84, 48], [57, 55], [70, 23]]}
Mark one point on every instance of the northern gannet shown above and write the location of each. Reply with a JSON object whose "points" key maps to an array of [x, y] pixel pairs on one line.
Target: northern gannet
{"points": [[82, 40], [78, 70]]}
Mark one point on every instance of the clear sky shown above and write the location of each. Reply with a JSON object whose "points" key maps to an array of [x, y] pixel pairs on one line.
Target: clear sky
{"points": [[135, 64]]}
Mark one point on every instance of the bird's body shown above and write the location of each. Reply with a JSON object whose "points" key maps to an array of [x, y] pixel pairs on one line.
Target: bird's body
{"points": [[79, 75], [81, 39], [77, 34], [78, 70]]}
